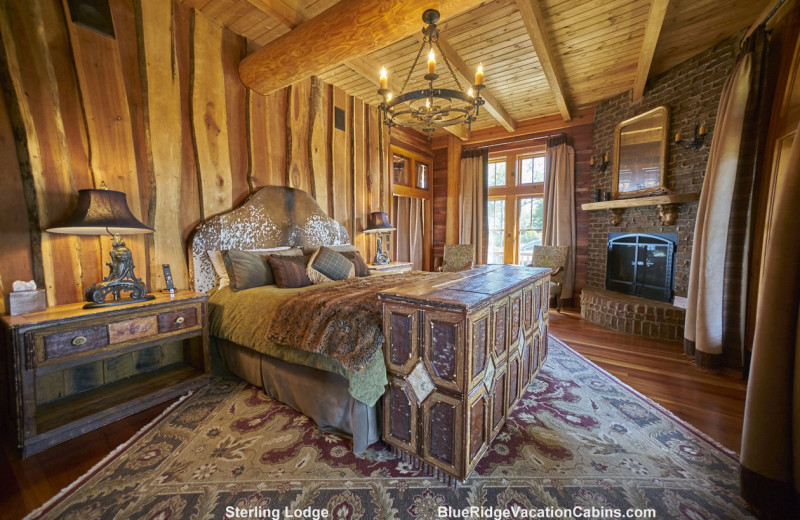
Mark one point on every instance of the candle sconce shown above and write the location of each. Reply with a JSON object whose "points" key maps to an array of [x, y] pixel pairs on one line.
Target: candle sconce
{"points": [[602, 165], [700, 133]]}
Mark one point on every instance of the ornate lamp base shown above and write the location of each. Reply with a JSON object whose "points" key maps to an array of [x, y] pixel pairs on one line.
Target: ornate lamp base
{"points": [[381, 258], [120, 279]]}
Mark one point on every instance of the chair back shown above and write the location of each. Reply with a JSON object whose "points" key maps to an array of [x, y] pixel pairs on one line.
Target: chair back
{"points": [[458, 257], [552, 257]]}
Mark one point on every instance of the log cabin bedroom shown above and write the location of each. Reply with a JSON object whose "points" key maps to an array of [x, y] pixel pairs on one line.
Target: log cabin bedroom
{"points": [[389, 259]]}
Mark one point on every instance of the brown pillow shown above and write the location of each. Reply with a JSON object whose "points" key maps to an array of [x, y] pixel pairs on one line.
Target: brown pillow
{"points": [[361, 267], [246, 270], [289, 272]]}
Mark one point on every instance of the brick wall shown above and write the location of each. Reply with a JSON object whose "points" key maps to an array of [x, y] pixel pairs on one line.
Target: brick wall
{"points": [[691, 90]]}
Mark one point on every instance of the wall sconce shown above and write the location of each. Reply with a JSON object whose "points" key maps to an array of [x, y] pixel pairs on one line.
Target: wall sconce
{"points": [[700, 132], [602, 165]]}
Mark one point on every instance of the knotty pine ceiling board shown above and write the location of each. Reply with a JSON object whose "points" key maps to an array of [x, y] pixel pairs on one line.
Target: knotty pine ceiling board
{"points": [[691, 27]]}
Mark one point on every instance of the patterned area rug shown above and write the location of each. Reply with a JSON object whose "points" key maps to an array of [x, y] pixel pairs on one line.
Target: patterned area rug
{"points": [[578, 439]]}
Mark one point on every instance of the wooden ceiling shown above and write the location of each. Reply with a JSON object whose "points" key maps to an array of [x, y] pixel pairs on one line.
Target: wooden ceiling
{"points": [[540, 57]]}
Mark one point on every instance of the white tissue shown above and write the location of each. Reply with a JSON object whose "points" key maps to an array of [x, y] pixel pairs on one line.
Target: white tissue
{"points": [[20, 285]]}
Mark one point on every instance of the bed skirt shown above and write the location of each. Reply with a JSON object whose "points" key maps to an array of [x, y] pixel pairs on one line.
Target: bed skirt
{"points": [[322, 396]]}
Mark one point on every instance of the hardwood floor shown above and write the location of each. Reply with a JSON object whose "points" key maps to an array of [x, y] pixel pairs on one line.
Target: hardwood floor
{"points": [[712, 403]]}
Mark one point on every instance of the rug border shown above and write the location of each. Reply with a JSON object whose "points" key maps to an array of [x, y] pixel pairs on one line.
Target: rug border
{"points": [[664, 411], [55, 499]]}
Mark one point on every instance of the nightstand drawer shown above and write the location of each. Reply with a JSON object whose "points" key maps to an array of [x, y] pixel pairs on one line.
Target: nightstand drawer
{"points": [[62, 344], [177, 320], [138, 328]]}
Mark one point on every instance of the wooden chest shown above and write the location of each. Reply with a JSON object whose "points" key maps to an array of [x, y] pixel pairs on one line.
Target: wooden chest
{"points": [[459, 356]]}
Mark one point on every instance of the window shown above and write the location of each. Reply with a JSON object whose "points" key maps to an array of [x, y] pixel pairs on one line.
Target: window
{"points": [[515, 211], [497, 226], [531, 169], [422, 176], [497, 172], [531, 215]]}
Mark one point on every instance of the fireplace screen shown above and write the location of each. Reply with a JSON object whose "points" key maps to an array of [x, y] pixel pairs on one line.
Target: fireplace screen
{"points": [[641, 264]]}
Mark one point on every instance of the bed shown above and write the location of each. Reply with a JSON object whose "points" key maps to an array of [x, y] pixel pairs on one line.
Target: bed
{"points": [[338, 401], [460, 348]]}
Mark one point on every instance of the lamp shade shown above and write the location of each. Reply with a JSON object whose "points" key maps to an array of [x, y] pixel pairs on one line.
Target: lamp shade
{"points": [[378, 223], [99, 212]]}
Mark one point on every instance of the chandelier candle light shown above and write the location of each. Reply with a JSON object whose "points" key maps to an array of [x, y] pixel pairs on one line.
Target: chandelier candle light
{"points": [[431, 108]]}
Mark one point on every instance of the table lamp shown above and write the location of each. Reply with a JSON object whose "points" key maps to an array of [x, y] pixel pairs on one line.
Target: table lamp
{"points": [[379, 224], [106, 211]]}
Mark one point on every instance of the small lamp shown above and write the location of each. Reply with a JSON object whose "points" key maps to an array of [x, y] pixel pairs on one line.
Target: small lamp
{"points": [[379, 224], [106, 211]]}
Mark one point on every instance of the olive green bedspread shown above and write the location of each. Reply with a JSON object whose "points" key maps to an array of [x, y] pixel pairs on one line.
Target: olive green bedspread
{"points": [[244, 318]]}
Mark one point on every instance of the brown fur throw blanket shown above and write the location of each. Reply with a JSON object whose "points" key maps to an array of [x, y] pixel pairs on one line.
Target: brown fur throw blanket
{"points": [[341, 320]]}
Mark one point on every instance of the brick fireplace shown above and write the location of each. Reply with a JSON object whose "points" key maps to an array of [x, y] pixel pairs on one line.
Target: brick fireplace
{"points": [[691, 90]]}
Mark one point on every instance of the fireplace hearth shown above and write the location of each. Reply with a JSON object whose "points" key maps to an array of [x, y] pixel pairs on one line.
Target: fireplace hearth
{"points": [[641, 264]]}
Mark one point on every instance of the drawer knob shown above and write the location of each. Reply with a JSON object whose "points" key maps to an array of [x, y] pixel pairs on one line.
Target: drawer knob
{"points": [[78, 340], [179, 320]]}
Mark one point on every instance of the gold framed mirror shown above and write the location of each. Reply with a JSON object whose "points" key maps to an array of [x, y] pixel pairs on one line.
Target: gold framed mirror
{"points": [[640, 152]]}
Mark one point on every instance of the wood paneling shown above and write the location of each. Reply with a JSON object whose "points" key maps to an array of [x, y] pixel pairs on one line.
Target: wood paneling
{"points": [[160, 114]]}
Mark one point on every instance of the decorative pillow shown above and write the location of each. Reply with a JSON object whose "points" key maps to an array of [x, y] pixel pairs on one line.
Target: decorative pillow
{"points": [[218, 263], [246, 270], [361, 267], [288, 271], [326, 265]]}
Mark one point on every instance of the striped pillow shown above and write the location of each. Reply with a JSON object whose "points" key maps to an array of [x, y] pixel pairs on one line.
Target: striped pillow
{"points": [[288, 271]]}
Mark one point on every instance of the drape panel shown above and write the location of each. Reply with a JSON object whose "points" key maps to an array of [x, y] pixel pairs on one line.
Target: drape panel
{"points": [[770, 459], [472, 202], [409, 221], [559, 204], [717, 297]]}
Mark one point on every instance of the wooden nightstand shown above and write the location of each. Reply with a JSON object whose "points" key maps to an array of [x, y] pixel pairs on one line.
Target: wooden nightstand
{"points": [[74, 370], [392, 267]]}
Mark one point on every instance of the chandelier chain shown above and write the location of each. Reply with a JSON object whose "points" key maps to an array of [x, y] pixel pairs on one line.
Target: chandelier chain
{"points": [[447, 62], [403, 88]]}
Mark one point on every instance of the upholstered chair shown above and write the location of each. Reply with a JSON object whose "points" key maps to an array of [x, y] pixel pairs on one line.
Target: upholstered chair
{"points": [[554, 257], [458, 257]]}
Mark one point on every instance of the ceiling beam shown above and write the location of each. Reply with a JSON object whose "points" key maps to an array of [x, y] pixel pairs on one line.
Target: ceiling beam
{"points": [[348, 29], [492, 105], [655, 20], [537, 31], [363, 65]]}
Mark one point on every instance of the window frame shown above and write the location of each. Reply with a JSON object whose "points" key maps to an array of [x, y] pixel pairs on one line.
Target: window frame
{"points": [[513, 191]]}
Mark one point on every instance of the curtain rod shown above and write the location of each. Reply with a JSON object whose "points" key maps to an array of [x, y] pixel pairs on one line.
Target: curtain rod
{"points": [[762, 23], [478, 147]]}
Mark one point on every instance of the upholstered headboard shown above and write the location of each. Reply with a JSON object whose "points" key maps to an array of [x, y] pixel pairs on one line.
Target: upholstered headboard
{"points": [[273, 216]]}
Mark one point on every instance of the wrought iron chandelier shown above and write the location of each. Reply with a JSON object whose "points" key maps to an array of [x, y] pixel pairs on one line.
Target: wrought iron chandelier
{"points": [[431, 108]]}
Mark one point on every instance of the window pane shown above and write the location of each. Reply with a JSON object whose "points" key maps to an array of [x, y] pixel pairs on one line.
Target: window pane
{"points": [[538, 169], [531, 216], [531, 170], [422, 176], [497, 221], [497, 173], [526, 171], [401, 170]]}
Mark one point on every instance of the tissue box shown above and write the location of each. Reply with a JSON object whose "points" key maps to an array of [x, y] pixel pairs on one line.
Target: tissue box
{"points": [[23, 302]]}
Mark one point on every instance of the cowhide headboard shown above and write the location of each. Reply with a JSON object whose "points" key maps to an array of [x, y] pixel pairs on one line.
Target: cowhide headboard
{"points": [[274, 216]]}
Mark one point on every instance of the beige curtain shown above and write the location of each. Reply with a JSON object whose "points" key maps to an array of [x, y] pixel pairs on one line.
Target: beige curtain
{"points": [[409, 221], [559, 204], [472, 201], [770, 456], [703, 327]]}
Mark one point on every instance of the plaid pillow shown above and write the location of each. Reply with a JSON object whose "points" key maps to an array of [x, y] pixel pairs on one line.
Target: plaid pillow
{"points": [[288, 271], [326, 265]]}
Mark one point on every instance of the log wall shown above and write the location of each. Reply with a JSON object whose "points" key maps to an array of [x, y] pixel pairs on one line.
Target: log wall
{"points": [[159, 113]]}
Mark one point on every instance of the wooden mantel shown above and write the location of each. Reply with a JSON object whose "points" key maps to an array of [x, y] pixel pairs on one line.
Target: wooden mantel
{"points": [[667, 209]]}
